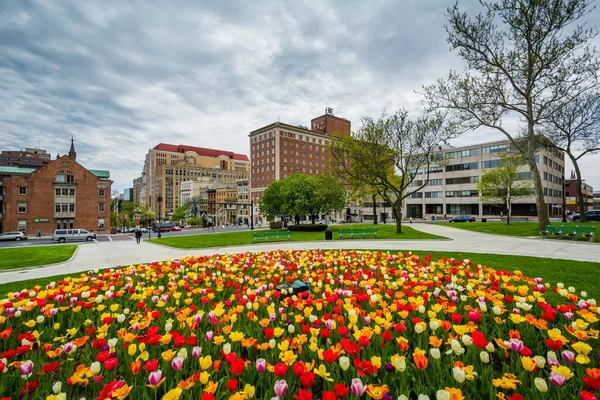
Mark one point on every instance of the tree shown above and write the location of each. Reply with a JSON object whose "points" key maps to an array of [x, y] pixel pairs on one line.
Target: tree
{"points": [[387, 154], [503, 185], [575, 129], [299, 195], [525, 59], [180, 213]]}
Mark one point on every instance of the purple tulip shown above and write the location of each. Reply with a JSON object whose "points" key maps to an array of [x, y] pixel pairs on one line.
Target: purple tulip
{"points": [[357, 387], [280, 387], [196, 351], [26, 368], [155, 377], [553, 363], [177, 363], [387, 397], [516, 344], [557, 378], [569, 315], [389, 367], [568, 356], [209, 336], [261, 365]]}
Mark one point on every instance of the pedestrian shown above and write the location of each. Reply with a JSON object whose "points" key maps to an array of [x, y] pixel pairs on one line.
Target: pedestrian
{"points": [[411, 218], [501, 214], [138, 236], [444, 216], [39, 233]]}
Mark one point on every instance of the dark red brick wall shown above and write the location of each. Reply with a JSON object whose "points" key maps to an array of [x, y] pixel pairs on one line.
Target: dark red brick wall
{"points": [[40, 198]]}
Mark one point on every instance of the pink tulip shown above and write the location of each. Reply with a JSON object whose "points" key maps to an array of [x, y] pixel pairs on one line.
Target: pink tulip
{"points": [[568, 356], [557, 378], [209, 336], [474, 316], [197, 318], [26, 368], [196, 351], [280, 388], [177, 363], [357, 387], [516, 344], [155, 377], [261, 365]]}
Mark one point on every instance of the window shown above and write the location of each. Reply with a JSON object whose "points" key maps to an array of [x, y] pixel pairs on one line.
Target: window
{"points": [[462, 167], [463, 153], [57, 207], [417, 195], [101, 192], [72, 207], [23, 190], [524, 176], [100, 223], [415, 183], [22, 208], [435, 182], [60, 177], [464, 179], [22, 226], [490, 164], [57, 192], [462, 209], [493, 149], [434, 195], [463, 193], [71, 192], [537, 159]]}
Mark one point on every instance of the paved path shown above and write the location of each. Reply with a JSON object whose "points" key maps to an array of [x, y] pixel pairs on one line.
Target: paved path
{"points": [[111, 254]]}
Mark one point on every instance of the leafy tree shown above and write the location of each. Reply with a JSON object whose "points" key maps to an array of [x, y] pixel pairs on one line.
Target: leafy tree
{"points": [[330, 194], [271, 204], [575, 129], [193, 221], [387, 154], [180, 213], [524, 58], [503, 185]]}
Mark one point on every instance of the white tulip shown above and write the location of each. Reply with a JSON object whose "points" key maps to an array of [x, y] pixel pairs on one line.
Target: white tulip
{"points": [[442, 395], [57, 387], [484, 356], [541, 385], [435, 353], [458, 374]]}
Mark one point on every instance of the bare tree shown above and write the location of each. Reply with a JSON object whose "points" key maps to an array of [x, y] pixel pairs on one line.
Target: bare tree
{"points": [[524, 58], [575, 129], [387, 154]]}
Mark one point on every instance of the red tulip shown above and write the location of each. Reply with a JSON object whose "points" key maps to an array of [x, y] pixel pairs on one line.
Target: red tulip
{"points": [[102, 356], [111, 364], [303, 394], [49, 367], [341, 390], [232, 385], [151, 365], [479, 339], [298, 368], [237, 366], [280, 369], [587, 396], [307, 379], [328, 396]]}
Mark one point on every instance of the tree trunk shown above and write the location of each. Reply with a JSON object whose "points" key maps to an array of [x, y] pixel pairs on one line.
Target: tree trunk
{"points": [[580, 198], [397, 210], [540, 203], [374, 211]]}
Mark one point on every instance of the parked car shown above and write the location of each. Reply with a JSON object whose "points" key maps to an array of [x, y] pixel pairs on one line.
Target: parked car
{"points": [[463, 218], [62, 235], [164, 227], [320, 222], [13, 236], [591, 215], [144, 230], [176, 228]]}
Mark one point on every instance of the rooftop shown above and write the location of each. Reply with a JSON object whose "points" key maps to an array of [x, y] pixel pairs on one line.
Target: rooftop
{"points": [[201, 151], [24, 171]]}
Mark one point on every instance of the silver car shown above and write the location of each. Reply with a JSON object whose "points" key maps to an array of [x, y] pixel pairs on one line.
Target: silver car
{"points": [[62, 235], [13, 236]]}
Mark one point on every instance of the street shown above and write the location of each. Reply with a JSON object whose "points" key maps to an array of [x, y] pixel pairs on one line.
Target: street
{"points": [[45, 242]]}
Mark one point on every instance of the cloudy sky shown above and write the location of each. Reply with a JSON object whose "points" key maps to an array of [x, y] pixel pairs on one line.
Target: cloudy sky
{"points": [[123, 76]]}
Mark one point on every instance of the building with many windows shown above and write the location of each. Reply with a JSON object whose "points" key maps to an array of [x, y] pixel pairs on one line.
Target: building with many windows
{"points": [[452, 186], [168, 165], [30, 158], [278, 150], [60, 195]]}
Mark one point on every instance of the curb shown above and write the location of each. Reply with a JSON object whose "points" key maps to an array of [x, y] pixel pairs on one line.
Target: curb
{"points": [[42, 266]]}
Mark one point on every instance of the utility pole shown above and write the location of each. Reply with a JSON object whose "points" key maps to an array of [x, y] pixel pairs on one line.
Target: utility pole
{"points": [[564, 200]]}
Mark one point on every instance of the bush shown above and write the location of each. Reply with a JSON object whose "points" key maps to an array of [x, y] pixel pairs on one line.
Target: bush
{"points": [[193, 221], [308, 227]]}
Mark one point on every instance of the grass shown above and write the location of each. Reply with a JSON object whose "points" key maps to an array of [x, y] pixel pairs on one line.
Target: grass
{"points": [[579, 274], [517, 228], [34, 256], [246, 237]]}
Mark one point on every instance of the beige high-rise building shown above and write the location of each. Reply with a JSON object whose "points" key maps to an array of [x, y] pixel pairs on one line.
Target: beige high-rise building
{"points": [[168, 165]]}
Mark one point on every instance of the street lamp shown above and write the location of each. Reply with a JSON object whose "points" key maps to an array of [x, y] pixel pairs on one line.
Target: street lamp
{"points": [[137, 217], [564, 200], [252, 215], [159, 199]]}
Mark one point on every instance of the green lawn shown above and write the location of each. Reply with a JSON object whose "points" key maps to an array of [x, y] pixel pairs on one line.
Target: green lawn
{"points": [[517, 228], [579, 274], [246, 237], [34, 256]]}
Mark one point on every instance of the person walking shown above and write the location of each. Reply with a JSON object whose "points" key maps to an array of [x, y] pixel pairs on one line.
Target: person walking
{"points": [[138, 236], [39, 233]]}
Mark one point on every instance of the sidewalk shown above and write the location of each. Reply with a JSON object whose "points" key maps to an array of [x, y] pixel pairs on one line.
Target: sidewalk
{"points": [[111, 254]]}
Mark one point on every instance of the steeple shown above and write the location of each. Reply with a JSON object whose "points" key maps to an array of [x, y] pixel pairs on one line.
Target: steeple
{"points": [[72, 152]]}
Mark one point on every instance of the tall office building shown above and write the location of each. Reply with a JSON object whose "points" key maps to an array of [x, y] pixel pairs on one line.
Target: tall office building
{"points": [[29, 158], [452, 187], [278, 150], [167, 165]]}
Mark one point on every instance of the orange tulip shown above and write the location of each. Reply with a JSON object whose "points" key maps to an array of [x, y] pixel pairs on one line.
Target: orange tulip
{"points": [[135, 367], [420, 359]]}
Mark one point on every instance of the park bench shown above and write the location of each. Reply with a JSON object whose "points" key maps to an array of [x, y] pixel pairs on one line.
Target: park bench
{"points": [[519, 219], [267, 236], [358, 233], [574, 232]]}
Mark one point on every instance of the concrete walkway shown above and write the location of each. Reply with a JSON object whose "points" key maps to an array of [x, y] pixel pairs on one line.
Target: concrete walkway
{"points": [[110, 254]]}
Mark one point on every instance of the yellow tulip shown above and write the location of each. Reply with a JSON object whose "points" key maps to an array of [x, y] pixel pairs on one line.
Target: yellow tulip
{"points": [[205, 362]]}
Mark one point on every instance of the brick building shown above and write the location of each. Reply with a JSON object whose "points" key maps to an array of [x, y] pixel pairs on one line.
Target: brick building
{"points": [[167, 165], [62, 194], [278, 150], [30, 158], [571, 197]]}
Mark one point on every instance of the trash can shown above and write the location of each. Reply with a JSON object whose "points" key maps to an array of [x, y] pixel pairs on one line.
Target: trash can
{"points": [[433, 217], [328, 234], [483, 219]]}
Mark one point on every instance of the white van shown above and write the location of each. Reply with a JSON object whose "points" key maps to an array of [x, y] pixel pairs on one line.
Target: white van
{"points": [[62, 235]]}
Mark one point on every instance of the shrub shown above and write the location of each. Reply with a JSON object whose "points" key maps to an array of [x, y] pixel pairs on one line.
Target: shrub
{"points": [[308, 228], [192, 221]]}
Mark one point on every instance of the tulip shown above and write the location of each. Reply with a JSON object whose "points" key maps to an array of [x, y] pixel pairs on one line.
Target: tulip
{"points": [[196, 351], [435, 353], [568, 356], [26, 369], [541, 385], [261, 365], [280, 387], [357, 387], [557, 379], [155, 377], [227, 348], [442, 395], [344, 362], [458, 374], [56, 388], [177, 363], [95, 368], [209, 336], [484, 356]]}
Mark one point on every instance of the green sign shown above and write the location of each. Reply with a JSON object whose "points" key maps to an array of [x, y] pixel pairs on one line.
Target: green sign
{"points": [[43, 220]]}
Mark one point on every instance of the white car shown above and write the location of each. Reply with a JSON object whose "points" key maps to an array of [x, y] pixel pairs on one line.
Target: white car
{"points": [[13, 236], [320, 222], [62, 235]]}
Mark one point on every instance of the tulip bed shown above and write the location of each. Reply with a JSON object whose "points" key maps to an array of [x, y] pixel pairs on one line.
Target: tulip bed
{"points": [[373, 325]]}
